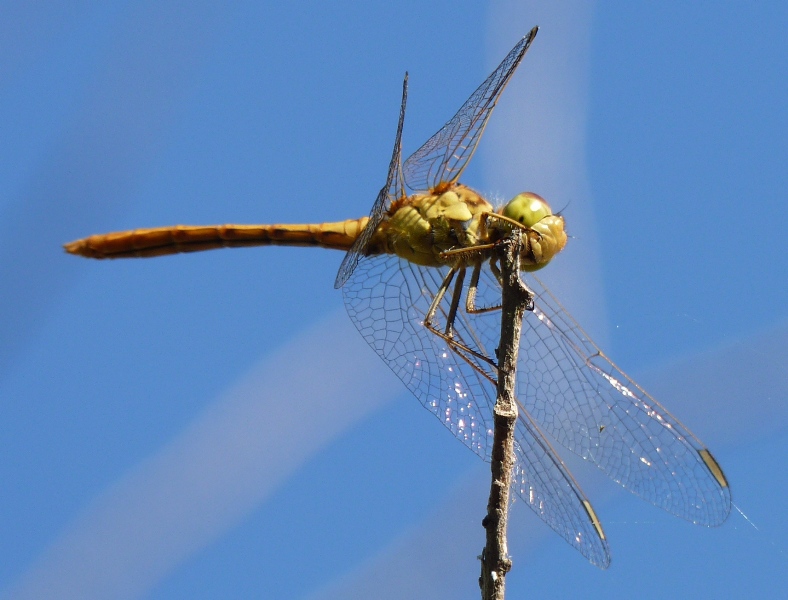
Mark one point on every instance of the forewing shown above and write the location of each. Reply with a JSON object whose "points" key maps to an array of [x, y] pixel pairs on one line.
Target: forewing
{"points": [[393, 190], [444, 156], [591, 407], [387, 298]]}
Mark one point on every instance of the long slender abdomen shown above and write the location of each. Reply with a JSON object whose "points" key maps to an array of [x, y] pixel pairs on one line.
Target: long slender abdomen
{"points": [[160, 241]]}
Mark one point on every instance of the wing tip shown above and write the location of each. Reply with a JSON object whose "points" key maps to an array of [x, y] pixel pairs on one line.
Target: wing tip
{"points": [[714, 467], [602, 561]]}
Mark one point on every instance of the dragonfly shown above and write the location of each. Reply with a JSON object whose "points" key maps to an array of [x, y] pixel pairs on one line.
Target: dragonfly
{"points": [[421, 282]]}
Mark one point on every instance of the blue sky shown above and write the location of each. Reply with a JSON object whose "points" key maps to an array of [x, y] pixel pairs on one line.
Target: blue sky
{"points": [[212, 425]]}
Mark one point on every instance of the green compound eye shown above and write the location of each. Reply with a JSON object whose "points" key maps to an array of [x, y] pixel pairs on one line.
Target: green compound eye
{"points": [[527, 208]]}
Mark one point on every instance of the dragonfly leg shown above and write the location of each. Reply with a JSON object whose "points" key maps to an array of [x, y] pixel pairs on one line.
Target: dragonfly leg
{"points": [[492, 378], [455, 302], [465, 256], [448, 335], [467, 354], [496, 271], [499, 277], [496, 217], [470, 299], [428, 318]]}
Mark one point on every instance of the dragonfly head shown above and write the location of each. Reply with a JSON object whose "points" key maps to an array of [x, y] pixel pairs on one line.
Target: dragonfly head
{"points": [[527, 208], [546, 234]]}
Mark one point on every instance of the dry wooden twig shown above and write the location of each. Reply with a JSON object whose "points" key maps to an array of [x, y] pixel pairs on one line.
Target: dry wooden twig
{"points": [[515, 301]]}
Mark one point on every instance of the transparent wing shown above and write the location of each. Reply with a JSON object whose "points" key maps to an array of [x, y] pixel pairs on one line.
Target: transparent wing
{"points": [[444, 156], [387, 298], [543, 482], [595, 410], [393, 190]]}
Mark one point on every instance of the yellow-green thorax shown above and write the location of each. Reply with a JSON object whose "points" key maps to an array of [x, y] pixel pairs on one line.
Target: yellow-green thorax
{"points": [[423, 226]]}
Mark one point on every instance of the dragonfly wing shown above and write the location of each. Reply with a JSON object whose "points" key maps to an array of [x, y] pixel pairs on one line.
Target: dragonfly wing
{"points": [[393, 190], [543, 482], [444, 156], [387, 299], [595, 410]]}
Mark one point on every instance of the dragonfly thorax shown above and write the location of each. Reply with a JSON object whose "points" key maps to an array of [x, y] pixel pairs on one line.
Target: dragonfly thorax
{"points": [[423, 226]]}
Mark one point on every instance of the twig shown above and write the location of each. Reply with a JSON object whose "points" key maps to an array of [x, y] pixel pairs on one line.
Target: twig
{"points": [[515, 300]]}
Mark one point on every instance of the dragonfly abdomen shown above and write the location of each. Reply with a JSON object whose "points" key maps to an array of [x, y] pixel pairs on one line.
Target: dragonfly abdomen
{"points": [[161, 241]]}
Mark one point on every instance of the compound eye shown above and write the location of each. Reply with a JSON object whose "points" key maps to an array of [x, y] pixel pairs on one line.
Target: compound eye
{"points": [[527, 208]]}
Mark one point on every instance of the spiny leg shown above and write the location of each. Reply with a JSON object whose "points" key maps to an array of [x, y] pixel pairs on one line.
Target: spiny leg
{"points": [[470, 299], [455, 302], [470, 305], [467, 255], [465, 353], [428, 318], [455, 345], [496, 271], [458, 346], [464, 255], [506, 220], [471, 363]]}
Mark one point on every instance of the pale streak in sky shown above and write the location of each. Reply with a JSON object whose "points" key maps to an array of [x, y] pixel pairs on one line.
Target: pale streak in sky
{"points": [[746, 384], [236, 454], [218, 470], [535, 141]]}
